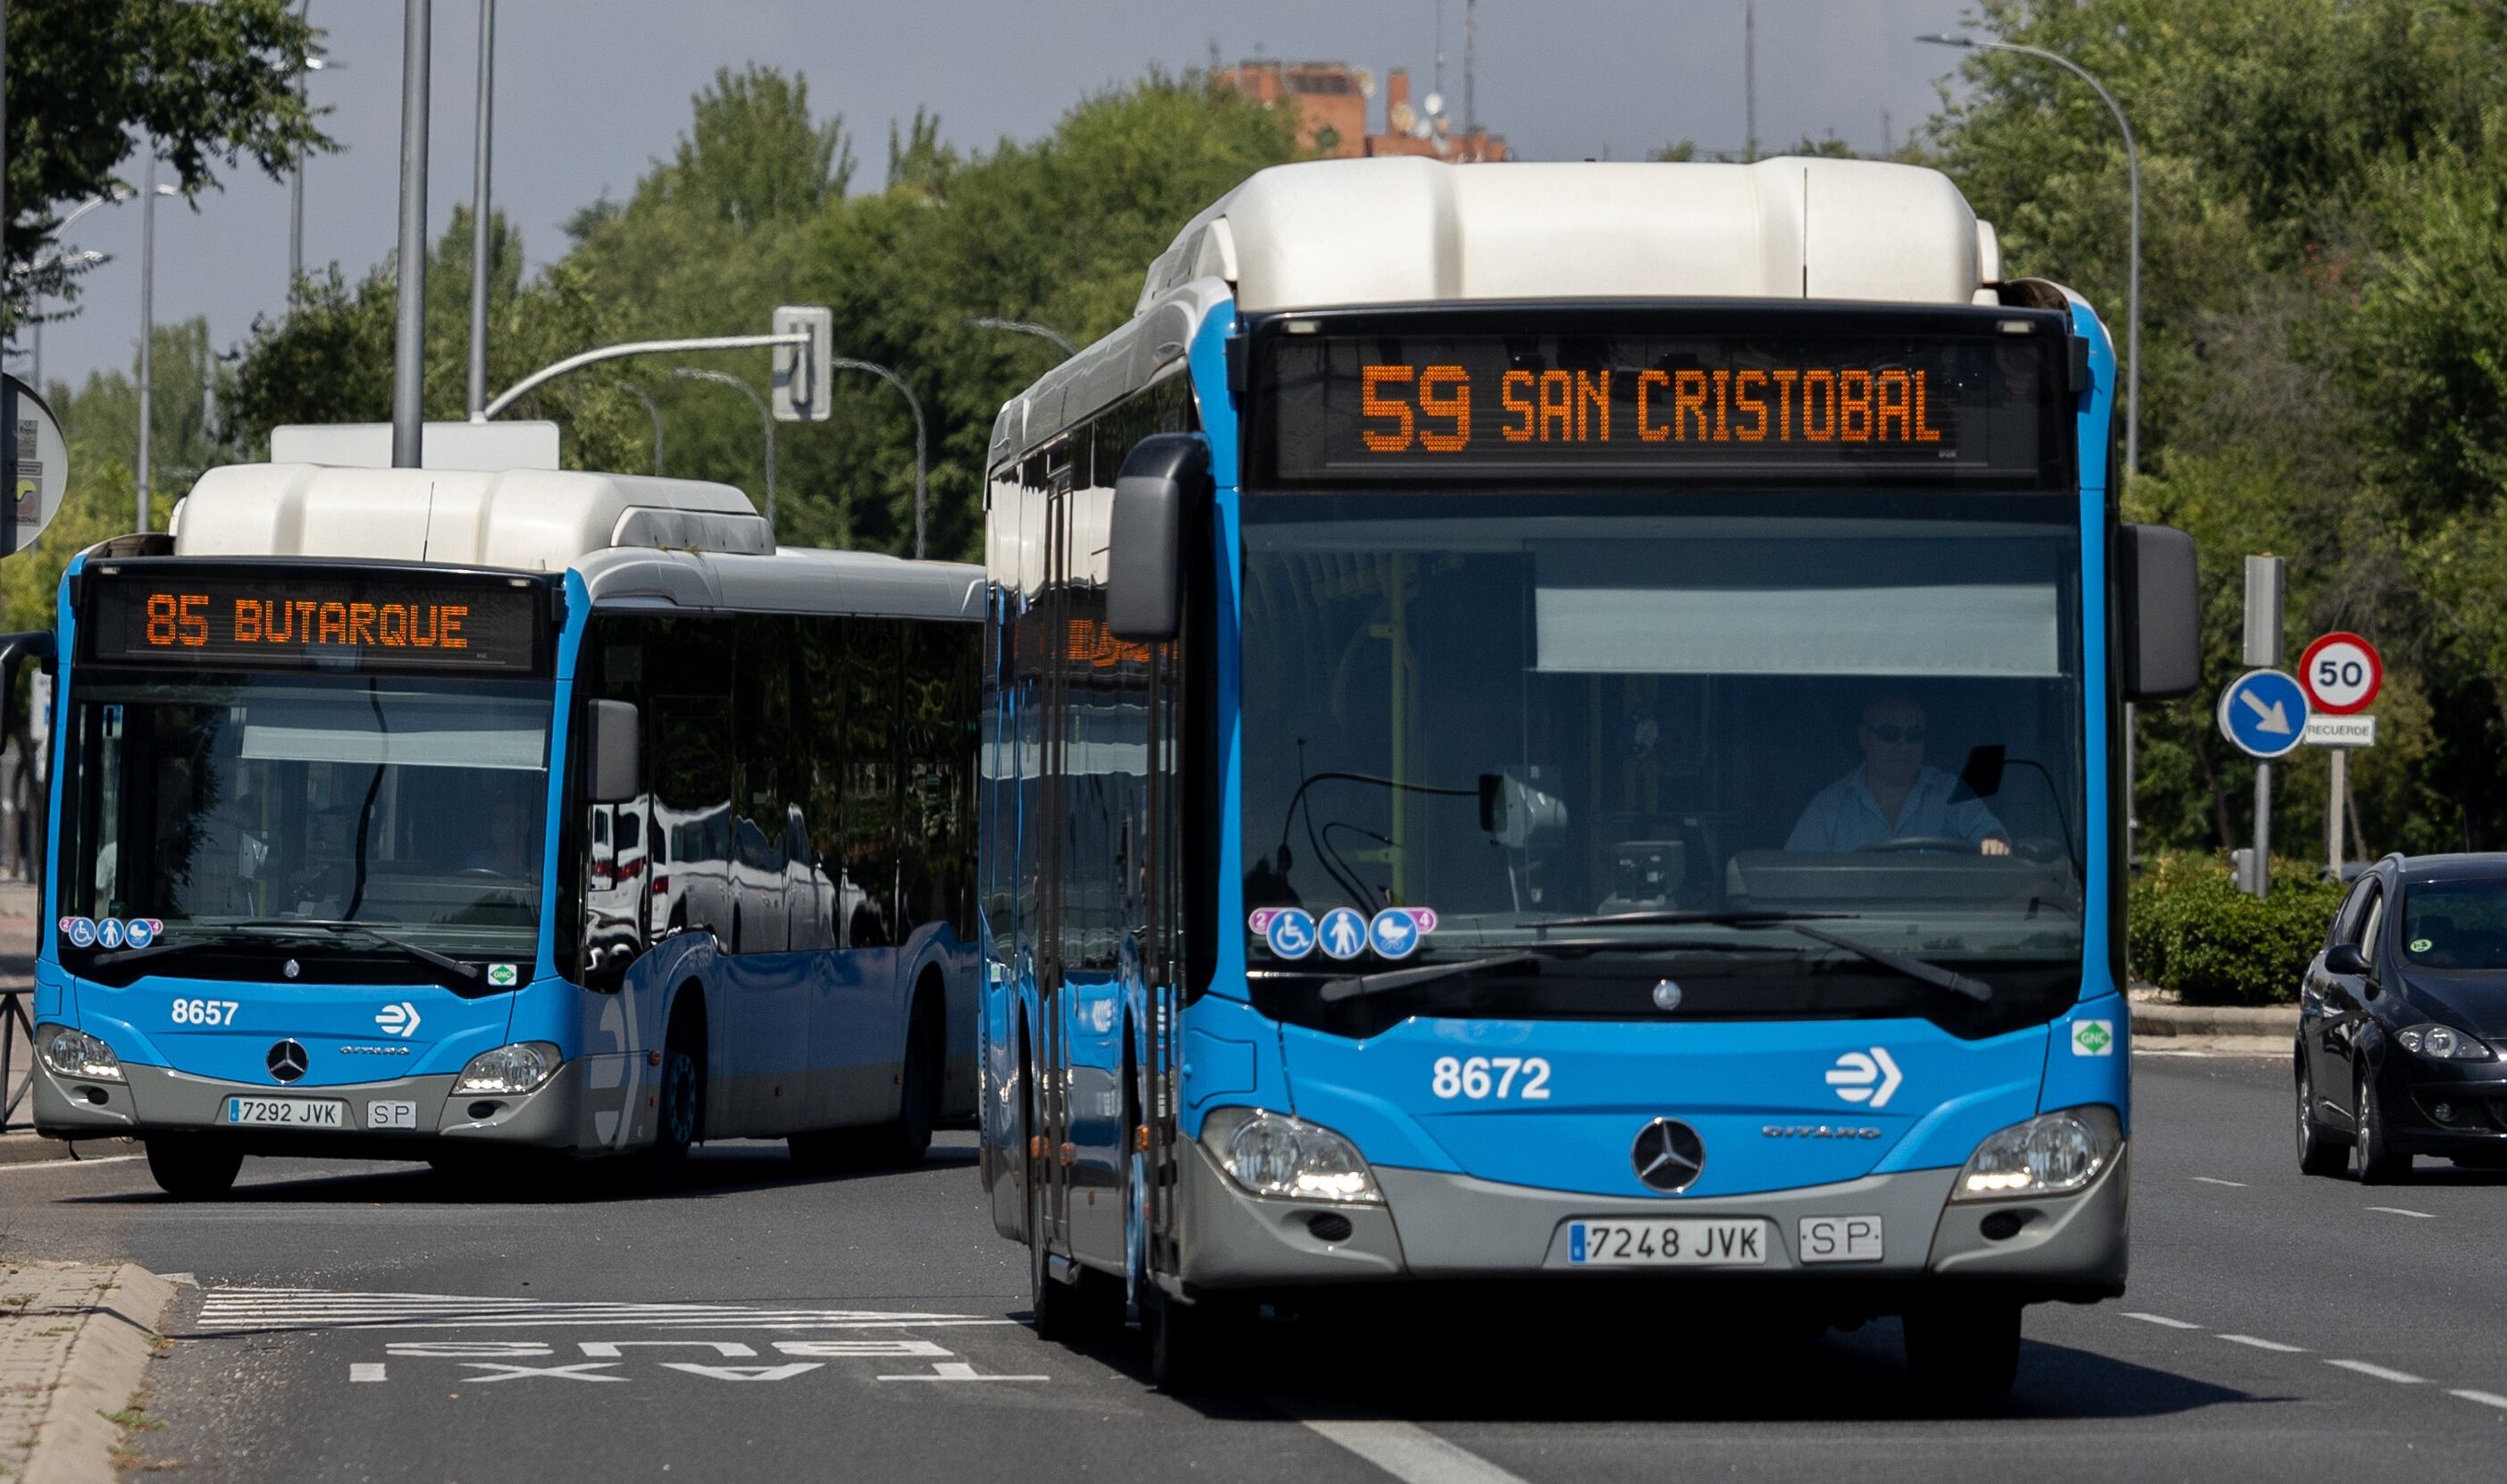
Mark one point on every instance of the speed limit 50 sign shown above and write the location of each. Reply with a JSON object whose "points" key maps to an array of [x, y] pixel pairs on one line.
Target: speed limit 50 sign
{"points": [[2341, 673]]}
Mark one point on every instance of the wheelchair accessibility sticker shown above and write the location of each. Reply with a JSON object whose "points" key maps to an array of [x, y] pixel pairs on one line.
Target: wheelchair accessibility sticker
{"points": [[1343, 932], [111, 933], [1288, 930]]}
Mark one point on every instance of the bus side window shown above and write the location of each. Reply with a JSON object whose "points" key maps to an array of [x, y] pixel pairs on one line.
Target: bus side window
{"points": [[872, 660], [819, 780], [761, 736]]}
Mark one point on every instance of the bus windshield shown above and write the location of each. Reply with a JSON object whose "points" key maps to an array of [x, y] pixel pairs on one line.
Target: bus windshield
{"points": [[227, 804], [1702, 715]]}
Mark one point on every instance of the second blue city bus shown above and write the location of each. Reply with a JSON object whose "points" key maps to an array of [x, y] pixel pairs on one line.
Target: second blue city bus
{"points": [[1561, 725]]}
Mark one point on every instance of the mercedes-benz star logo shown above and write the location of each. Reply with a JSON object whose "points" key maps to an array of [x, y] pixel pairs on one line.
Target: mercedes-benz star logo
{"points": [[1669, 1156], [286, 1061]]}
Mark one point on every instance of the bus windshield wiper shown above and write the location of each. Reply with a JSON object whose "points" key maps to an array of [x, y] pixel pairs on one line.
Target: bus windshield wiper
{"points": [[1933, 974], [1389, 980], [469, 973]]}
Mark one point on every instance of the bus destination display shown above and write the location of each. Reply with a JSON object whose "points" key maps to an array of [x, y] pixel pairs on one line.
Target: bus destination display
{"points": [[278, 622], [1372, 409]]}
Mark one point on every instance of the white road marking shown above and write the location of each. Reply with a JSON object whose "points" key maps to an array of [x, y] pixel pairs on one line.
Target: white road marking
{"points": [[55, 1164], [580, 1371], [2381, 1373], [307, 1309], [2160, 1319], [2205, 1179], [2262, 1344], [2397, 1210], [1407, 1451], [615, 1349], [785, 1372], [960, 1370], [2485, 1399], [365, 1370]]}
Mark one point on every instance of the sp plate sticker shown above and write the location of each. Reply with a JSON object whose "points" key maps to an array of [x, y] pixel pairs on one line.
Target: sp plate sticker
{"points": [[502, 976], [2093, 1038]]}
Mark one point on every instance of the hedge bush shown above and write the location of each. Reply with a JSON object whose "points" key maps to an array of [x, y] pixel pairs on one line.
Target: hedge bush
{"points": [[2190, 930]]}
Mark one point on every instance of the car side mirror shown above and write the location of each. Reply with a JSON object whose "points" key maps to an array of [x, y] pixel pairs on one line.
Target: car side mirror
{"points": [[2158, 609], [1145, 541], [1982, 774], [2345, 959], [16, 649], [617, 762]]}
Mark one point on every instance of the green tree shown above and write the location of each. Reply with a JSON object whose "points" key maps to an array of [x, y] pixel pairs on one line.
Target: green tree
{"points": [[92, 80]]}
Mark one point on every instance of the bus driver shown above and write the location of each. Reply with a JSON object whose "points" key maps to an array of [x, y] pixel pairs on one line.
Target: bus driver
{"points": [[1893, 795]]}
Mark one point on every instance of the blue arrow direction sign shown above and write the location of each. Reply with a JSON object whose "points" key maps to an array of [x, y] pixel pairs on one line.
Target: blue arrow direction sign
{"points": [[2264, 712]]}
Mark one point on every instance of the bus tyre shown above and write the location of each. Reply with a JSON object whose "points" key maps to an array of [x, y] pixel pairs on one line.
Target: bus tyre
{"points": [[906, 1141], [1196, 1348], [2379, 1163], [1964, 1352], [678, 1119], [2317, 1152], [192, 1169]]}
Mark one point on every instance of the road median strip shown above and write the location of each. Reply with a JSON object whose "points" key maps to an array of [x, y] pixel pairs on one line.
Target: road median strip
{"points": [[75, 1339]]}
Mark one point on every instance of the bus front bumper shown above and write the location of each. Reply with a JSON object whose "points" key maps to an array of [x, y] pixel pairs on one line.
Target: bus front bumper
{"points": [[1436, 1225], [394, 1118]]}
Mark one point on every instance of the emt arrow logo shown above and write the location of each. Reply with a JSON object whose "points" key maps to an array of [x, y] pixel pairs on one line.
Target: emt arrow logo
{"points": [[402, 1020], [1856, 1072]]}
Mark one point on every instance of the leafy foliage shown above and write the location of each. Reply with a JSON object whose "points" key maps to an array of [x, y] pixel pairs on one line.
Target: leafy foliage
{"points": [[206, 80], [2191, 932]]}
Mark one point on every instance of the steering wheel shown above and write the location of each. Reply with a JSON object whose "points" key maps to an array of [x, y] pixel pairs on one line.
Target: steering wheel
{"points": [[1909, 845]]}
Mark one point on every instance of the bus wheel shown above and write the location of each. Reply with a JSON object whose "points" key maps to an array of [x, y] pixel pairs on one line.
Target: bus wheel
{"points": [[906, 1141], [1195, 1348], [1964, 1352], [192, 1169], [679, 1118]]}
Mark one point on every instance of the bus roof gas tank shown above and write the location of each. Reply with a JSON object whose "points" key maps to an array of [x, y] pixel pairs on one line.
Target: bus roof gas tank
{"points": [[1339, 233], [524, 519]]}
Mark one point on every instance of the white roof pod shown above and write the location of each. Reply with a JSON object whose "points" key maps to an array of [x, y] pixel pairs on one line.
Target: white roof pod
{"points": [[526, 519], [1403, 230]]}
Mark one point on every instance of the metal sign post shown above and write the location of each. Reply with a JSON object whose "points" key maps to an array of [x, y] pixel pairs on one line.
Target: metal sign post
{"points": [[2342, 674], [2267, 596]]}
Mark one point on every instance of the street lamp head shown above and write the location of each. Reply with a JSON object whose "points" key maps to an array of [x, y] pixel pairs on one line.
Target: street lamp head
{"points": [[1944, 39]]}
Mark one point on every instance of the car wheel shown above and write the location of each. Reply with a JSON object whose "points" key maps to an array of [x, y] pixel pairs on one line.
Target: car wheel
{"points": [[191, 1169], [2317, 1153], [1962, 1352], [2378, 1164]]}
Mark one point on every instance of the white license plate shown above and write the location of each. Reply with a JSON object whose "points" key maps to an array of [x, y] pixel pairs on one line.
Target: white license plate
{"points": [[392, 1115], [1841, 1239], [288, 1112], [1682, 1244]]}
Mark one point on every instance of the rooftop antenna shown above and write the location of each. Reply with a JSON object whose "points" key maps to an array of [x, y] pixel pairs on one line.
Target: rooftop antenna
{"points": [[1750, 79], [1888, 137], [1471, 37]]}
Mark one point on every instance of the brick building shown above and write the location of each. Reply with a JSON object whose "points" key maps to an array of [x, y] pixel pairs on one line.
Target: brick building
{"points": [[1332, 108]]}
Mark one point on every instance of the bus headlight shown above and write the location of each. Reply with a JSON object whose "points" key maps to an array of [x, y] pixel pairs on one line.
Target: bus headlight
{"points": [[520, 1068], [2050, 1154], [76, 1054], [1272, 1154]]}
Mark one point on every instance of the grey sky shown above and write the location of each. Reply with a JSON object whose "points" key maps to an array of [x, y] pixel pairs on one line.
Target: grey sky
{"points": [[588, 94]]}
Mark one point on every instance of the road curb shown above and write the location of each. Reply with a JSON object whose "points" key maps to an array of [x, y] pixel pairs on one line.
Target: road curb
{"points": [[108, 1365], [2155, 1020], [29, 1148]]}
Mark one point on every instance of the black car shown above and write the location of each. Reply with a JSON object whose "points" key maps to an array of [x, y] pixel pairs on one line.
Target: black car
{"points": [[2402, 1022]]}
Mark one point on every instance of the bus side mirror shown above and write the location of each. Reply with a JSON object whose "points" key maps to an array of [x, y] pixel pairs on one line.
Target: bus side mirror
{"points": [[616, 754], [16, 649], [2160, 608], [1144, 544]]}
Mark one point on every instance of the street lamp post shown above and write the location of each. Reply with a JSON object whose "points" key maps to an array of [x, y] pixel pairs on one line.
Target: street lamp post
{"points": [[479, 242], [907, 393], [59, 263], [148, 333], [764, 420], [2132, 175], [651, 411], [1025, 327]]}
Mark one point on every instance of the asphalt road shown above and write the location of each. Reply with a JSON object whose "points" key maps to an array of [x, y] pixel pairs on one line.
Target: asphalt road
{"points": [[381, 1322]]}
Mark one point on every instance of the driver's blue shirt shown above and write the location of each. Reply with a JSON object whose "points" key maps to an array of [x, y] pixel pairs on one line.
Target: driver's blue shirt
{"points": [[1845, 817]]}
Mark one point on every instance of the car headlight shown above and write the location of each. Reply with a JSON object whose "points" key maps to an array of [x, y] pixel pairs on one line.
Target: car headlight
{"points": [[2049, 1154], [2444, 1043], [76, 1054], [520, 1068], [1273, 1154]]}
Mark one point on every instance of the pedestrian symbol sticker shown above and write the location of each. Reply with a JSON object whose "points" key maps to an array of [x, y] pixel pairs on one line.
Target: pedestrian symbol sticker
{"points": [[1290, 931], [2092, 1037], [1342, 933], [1396, 932], [108, 933]]}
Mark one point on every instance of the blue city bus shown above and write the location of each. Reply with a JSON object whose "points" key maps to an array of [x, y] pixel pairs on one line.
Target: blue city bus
{"points": [[503, 819], [1557, 727]]}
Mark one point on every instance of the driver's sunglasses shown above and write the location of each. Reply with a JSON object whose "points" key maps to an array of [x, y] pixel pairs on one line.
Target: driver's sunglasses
{"points": [[1913, 736]]}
